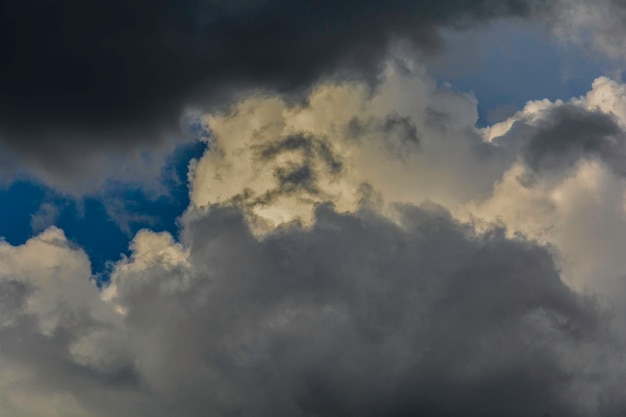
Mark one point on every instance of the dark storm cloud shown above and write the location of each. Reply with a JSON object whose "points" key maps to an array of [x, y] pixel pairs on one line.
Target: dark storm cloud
{"points": [[81, 77], [568, 134], [357, 316]]}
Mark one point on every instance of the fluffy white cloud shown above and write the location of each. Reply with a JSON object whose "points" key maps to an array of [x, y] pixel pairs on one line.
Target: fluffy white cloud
{"points": [[408, 141], [567, 186], [56, 272]]}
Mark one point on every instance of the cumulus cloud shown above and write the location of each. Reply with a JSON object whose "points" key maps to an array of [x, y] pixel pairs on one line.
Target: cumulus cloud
{"points": [[310, 278], [553, 171], [552, 137], [408, 141], [566, 186], [365, 250], [52, 329]]}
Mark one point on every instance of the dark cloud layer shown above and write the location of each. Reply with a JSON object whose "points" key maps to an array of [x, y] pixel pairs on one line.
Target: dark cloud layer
{"points": [[81, 77], [357, 316]]}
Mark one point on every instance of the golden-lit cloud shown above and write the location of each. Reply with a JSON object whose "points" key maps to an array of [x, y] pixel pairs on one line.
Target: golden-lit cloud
{"points": [[406, 141]]}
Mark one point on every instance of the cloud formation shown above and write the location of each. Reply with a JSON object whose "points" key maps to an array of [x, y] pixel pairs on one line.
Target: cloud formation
{"points": [[82, 80], [599, 25], [435, 320], [408, 141], [311, 278], [96, 92], [566, 186]]}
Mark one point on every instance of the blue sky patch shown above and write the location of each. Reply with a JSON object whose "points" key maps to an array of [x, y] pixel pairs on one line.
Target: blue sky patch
{"points": [[103, 225]]}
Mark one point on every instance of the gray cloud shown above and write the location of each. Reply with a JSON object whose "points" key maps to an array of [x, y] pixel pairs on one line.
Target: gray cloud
{"points": [[356, 316], [79, 79], [570, 133], [565, 135], [598, 25], [433, 321]]}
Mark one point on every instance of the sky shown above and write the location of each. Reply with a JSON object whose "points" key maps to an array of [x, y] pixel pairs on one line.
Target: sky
{"points": [[312, 209]]}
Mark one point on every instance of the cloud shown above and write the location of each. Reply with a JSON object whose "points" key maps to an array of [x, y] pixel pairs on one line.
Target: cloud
{"points": [[311, 278], [125, 215], [85, 101], [112, 78], [45, 217], [553, 171], [551, 138], [368, 307], [301, 322], [435, 319], [598, 25], [409, 140], [565, 186], [570, 134], [60, 342]]}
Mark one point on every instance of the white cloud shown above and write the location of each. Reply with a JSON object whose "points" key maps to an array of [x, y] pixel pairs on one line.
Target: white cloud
{"points": [[409, 140], [581, 212], [58, 273], [56, 333]]}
